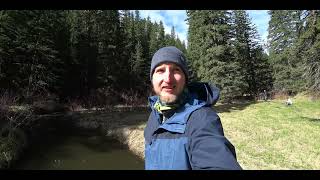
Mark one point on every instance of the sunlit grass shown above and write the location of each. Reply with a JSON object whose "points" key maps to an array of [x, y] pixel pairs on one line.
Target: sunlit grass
{"points": [[271, 135]]}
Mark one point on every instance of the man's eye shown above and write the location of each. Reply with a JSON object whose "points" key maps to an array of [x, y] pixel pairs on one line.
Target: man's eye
{"points": [[177, 70], [159, 71]]}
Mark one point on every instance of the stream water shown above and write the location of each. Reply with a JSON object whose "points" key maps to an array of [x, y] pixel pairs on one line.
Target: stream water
{"points": [[78, 151]]}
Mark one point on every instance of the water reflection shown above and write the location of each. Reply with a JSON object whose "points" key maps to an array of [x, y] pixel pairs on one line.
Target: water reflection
{"points": [[85, 151]]}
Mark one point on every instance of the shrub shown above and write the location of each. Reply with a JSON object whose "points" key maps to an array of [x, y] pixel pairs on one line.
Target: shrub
{"points": [[12, 144]]}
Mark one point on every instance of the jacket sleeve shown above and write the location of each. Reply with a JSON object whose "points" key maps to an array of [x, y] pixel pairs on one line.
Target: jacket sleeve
{"points": [[208, 147]]}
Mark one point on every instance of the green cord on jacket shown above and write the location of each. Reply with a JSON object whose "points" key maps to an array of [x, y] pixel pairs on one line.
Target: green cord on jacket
{"points": [[162, 107]]}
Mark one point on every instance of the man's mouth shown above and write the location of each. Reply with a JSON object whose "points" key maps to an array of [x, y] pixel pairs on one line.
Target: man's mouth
{"points": [[168, 88]]}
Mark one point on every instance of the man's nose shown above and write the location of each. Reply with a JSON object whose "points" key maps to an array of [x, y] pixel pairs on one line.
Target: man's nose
{"points": [[168, 76]]}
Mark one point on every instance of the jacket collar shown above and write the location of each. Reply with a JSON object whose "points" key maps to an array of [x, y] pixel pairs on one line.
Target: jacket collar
{"points": [[177, 122]]}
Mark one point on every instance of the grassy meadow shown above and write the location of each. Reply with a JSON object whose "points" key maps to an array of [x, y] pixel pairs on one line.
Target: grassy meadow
{"points": [[271, 135]]}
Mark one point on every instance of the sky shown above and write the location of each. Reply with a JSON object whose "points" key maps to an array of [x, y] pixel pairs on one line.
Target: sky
{"points": [[177, 18]]}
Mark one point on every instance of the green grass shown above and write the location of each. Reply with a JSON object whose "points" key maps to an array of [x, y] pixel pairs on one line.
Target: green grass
{"points": [[271, 135]]}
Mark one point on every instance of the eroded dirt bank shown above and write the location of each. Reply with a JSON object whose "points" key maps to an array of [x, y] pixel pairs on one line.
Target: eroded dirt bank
{"points": [[126, 126], [122, 123]]}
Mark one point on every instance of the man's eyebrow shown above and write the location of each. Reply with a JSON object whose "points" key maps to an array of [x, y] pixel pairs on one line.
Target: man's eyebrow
{"points": [[160, 67]]}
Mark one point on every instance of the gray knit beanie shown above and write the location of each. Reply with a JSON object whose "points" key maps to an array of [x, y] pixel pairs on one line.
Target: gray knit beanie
{"points": [[169, 54]]}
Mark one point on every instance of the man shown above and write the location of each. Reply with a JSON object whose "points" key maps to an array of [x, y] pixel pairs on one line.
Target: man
{"points": [[183, 131]]}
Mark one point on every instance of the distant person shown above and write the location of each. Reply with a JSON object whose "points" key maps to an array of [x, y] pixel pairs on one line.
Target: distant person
{"points": [[265, 95], [289, 102], [183, 132]]}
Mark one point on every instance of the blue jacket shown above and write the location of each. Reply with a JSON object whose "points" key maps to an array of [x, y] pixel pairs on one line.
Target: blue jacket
{"points": [[192, 138]]}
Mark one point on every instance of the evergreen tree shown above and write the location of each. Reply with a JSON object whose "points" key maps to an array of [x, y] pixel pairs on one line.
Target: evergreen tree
{"points": [[30, 60], [171, 38], [142, 53], [139, 61], [195, 41], [111, 46], [84, 51], [61, 39], [210, 34], [128, 27], [154, 42], [147, 38], [181, 45], [161, 35], [284, 29], [249, 54], [308, 48]]}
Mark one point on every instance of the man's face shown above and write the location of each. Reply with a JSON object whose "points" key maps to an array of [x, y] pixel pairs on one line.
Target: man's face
{"points": [[168, 81]]}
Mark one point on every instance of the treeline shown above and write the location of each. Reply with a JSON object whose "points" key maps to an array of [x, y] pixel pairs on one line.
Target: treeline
{"points": [[97, 55], [294, 48], [223, 47], [104, 55]]}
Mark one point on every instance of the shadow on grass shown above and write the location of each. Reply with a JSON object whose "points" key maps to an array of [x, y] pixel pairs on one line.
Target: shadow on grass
{"points": [[221, 108], [316, 120]]}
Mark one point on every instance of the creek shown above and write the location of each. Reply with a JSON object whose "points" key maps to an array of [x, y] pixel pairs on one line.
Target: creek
{"points": [[78, 150]]}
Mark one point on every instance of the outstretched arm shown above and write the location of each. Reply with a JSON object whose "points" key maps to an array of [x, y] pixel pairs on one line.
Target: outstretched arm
{"points": [[208, 147]]}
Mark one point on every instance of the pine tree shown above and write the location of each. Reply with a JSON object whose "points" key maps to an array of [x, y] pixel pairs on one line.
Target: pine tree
{"points": [[154, 43], [180, 45], [139, 61], [284, 30], [171, 39], [195, 40], [308, 48], [111, 46], [249, 54], [161, 35], [84, 51], [210, 35], [61, 40], [30, 59]]}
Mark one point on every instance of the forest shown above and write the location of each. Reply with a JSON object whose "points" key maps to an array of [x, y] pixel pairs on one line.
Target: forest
{"points": [[102, 57]]}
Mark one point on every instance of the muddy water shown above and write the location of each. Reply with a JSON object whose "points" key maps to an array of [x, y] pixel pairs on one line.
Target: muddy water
{"points": [[79, 151]]}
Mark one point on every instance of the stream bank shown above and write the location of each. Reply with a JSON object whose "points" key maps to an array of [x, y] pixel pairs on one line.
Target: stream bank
{"points": [[123, 125]]}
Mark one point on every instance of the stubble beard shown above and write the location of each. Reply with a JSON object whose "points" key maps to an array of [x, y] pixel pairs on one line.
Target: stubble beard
{"points": [[168, 99]]}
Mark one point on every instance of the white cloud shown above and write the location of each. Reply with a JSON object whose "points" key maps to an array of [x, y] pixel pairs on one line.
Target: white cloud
{"points": [[153, 14]]}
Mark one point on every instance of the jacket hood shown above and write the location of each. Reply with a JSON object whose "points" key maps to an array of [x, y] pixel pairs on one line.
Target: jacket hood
{"points": [[206, 92]]}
